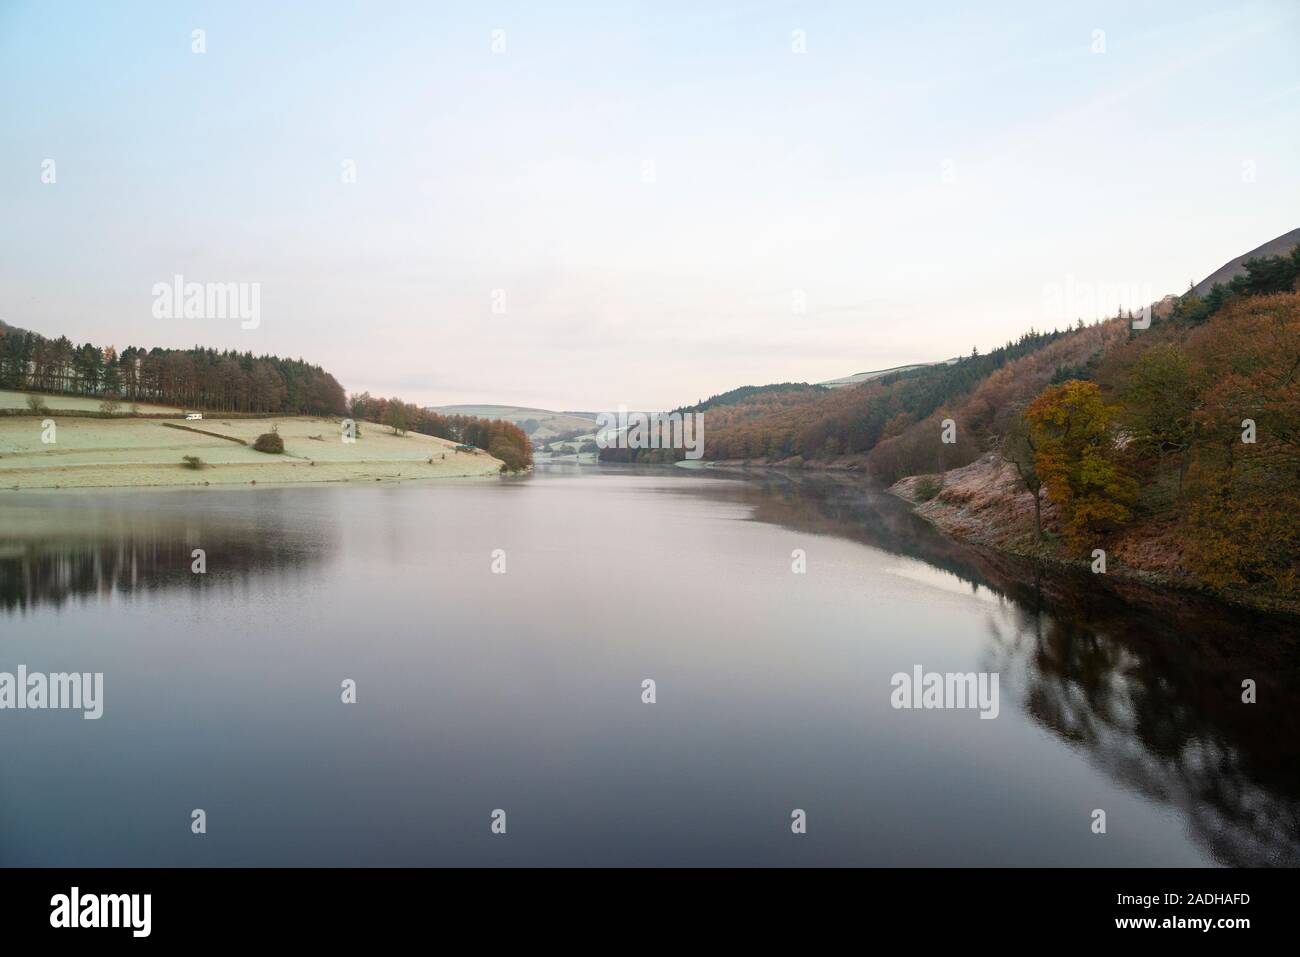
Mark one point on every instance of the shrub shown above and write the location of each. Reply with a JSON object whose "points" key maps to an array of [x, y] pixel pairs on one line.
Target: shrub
{"points": [[927, 489], [192, 461], [269, 442], [36, 404]]}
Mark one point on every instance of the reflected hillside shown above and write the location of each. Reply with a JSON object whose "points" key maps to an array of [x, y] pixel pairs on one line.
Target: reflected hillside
{"points": [[846, 508], [59, 549], [1147, 682], [1156, 701]]}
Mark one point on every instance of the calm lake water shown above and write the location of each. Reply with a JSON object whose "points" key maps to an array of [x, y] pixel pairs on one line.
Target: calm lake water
{"points": [[522, 691]]}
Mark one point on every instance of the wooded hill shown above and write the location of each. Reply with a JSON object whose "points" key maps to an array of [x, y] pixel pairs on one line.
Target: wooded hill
{"points": [[1176, 447], [193, 378], [795, 424]]}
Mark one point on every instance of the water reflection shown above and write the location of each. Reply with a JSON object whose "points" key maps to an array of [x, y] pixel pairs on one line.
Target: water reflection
{"points": [[1148, 682], [56, 550], [1161, 711], [516, 684]]}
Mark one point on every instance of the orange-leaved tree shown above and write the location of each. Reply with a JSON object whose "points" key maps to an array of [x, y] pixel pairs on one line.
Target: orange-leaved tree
{"points": [[1077, 458]]}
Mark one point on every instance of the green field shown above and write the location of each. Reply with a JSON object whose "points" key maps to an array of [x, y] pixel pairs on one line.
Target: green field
{"points": [[109, 452]]}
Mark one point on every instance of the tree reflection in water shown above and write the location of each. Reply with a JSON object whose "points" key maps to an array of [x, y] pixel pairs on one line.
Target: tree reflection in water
{"points": [[56, 550], [1148, 682]]}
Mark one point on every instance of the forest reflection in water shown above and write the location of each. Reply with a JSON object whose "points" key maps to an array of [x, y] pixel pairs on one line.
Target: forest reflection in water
{"points": [[1145, 684], [1147, 681], [55, 549]]}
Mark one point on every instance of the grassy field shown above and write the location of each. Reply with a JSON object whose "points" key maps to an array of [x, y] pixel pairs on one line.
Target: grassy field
{"points": [[96, 453], [75, 403]]}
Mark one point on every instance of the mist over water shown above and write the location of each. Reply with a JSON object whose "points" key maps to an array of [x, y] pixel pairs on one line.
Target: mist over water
{"points": [[522, 691]]}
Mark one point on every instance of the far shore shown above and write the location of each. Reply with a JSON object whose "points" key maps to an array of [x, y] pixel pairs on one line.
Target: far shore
{"points": [[126, 452]]}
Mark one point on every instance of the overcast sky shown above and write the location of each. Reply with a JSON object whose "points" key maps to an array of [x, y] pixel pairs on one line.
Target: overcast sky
{"points": [[663, 200]]}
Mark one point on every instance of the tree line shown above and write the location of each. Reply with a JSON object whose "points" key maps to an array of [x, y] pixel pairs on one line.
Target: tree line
{"points": [[500, 439], [198, 378]]}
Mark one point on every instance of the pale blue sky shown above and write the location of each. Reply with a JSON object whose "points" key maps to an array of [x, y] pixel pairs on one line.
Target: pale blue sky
{"points": [[776, 176]]}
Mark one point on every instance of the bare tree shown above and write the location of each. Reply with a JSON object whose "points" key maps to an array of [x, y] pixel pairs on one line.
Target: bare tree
{"points": [[1018, 449]]}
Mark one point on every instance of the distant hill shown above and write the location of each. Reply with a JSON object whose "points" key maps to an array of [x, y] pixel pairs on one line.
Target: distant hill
{"points": [[838, 426], [859, 377], [748, 392], [539, 424], [1223, 275], [885, 420], [1230, 270]]}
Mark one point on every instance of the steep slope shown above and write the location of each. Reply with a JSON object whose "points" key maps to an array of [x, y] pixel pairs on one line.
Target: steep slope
{"points": [[1174, 451], [1280, 246]]}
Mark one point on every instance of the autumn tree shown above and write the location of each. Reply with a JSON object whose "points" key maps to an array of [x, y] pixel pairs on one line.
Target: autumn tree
{"points": [[395, 417], [510, 454], [1076, 457]]}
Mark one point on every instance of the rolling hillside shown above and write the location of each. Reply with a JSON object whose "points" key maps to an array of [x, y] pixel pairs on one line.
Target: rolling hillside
{"points": [[541, 425], [120, 452]]}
